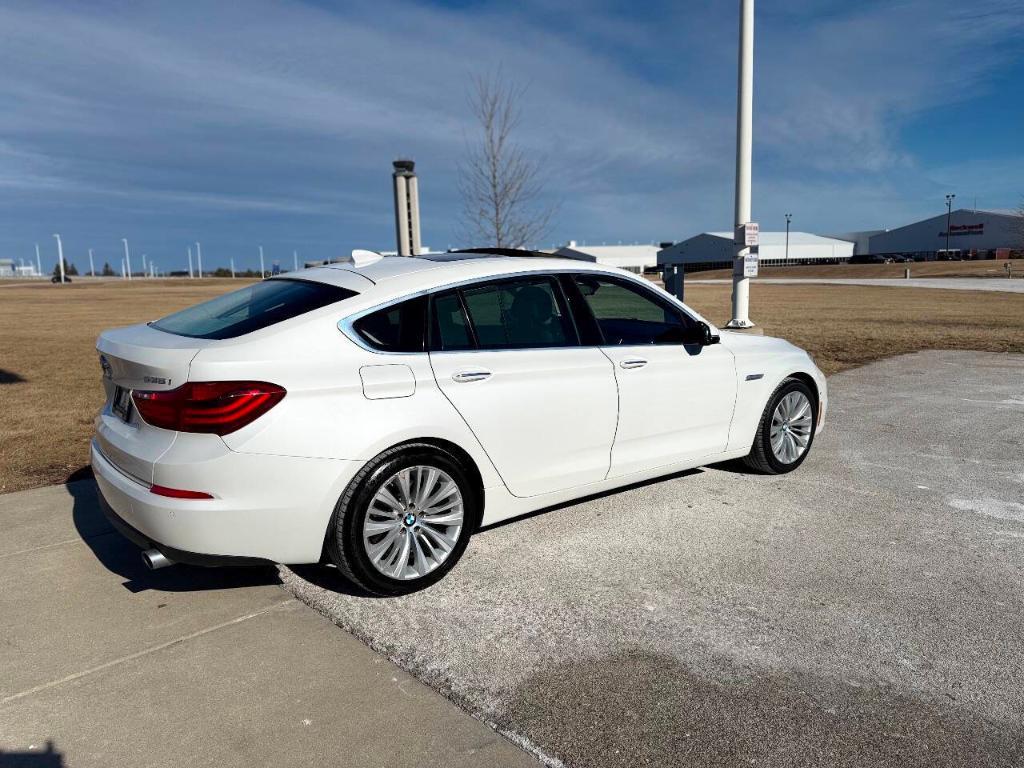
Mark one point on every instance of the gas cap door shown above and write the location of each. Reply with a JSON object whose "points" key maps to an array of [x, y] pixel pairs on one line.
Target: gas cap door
{"points": [[383, 382]]}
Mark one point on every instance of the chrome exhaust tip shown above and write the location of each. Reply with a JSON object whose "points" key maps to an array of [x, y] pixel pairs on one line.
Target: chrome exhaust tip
{"points": [[154, 559]]}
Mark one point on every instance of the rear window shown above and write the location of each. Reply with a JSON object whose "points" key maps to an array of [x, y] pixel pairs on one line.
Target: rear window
{"points": [[400, 328], [251, 308]]}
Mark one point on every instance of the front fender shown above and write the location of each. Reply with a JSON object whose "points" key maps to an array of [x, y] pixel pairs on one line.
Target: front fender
{"points": [[762, 364]]}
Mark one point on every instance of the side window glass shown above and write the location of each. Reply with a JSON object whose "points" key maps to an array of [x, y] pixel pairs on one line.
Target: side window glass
{"points": [[519, 314], [629, 316], [450, 330], [399, 328]]}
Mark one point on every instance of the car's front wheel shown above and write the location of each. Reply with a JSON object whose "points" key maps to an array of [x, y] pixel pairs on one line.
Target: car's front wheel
{"points": [[786, 430], [404, 521]]}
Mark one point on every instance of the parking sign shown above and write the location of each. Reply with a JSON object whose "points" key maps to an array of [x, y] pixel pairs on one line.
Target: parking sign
{"points": [[751, 230]]}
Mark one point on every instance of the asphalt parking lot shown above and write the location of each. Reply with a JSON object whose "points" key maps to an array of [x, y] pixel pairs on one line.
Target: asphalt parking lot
{"points": [[867, 610]]}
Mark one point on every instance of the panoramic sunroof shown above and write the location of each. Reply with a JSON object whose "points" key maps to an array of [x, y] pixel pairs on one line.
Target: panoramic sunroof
{"points": [[457, 256]]}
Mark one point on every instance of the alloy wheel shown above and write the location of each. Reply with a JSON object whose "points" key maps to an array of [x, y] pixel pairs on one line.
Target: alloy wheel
{"points": [[791, 427], [413, 522]]}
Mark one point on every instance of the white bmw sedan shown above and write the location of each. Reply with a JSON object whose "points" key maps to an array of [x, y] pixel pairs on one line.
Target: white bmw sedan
{"points": [[374, 414]]}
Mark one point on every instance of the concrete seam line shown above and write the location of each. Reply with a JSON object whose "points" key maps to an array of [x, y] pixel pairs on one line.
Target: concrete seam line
{"points": [[447, 693], [41, 546], [144, 652]]}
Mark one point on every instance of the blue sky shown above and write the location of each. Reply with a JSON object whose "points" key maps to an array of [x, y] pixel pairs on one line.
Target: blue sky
{"points": [[276, 123]]}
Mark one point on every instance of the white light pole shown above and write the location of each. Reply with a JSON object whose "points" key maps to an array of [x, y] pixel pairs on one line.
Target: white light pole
{"points": [[123, 273], [190, 262], [744, 125], [60, 258], [39, 262], [949, 217], [789, 218], [232, 262], [145, 270], [199, 257], [262, 273], [295, 261], [127, 258], [92, 267]]}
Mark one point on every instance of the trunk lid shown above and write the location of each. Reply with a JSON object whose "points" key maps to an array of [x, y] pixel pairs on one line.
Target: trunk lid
{"points": [[139, 357]]}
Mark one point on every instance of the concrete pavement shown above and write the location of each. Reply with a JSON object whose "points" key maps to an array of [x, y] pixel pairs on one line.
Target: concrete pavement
{"points": [[105, 664], [866, 610], [1004, 285]]}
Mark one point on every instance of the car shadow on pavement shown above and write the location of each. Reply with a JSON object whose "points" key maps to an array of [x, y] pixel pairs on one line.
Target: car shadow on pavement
{"points": [[120, 556], [329, 577], [33, 758]]}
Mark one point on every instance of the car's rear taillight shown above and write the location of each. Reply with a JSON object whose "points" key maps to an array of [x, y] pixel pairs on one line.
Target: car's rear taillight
{"points": [[215, 407]]}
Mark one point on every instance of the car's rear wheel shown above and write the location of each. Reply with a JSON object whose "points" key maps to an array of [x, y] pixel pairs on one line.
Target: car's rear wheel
{"points": [[404, 521], [786, 430]]}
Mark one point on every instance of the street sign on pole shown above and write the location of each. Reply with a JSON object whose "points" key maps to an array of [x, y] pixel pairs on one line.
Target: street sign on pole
{"points": [[751, 232], [750, 262]]}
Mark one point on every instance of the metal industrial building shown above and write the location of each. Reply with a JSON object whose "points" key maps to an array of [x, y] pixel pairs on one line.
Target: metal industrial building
{"points": [[973, 234], [635, 258], [715, 250]]}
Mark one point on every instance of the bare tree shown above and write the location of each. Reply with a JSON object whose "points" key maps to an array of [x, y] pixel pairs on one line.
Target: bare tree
{"points": [[500, 185]]}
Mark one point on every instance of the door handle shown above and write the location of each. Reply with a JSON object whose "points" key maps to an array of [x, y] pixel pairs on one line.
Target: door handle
{"points": [[632, 362], [462, 377]]}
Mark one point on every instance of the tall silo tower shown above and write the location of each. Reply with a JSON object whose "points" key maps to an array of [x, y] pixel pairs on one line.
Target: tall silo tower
{"points": [[407, 208]]}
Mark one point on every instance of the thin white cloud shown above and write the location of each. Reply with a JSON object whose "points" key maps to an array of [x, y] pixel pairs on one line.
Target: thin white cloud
{"points": [[294, 109]]}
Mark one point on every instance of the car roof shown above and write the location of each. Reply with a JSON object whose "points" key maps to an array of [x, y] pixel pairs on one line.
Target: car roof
{"points": [[400, 274]]}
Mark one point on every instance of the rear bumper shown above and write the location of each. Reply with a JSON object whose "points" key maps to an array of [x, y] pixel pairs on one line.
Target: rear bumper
{"points": [[177, 555], [267, 508]]}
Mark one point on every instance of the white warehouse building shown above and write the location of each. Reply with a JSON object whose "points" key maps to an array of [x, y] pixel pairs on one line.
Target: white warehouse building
{"points": [[715, 250], [635, 258]]}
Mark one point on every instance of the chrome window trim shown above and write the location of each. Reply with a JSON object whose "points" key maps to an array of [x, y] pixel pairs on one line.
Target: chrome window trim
{"points": [[346, 324]]}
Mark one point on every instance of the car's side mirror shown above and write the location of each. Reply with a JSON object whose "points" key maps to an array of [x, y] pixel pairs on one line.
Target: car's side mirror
{"points": [[701, 334], [707, 336]]}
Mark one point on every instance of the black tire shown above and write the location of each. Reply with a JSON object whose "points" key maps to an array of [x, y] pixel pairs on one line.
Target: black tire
{"points": [[344, 539], [762, 458]]}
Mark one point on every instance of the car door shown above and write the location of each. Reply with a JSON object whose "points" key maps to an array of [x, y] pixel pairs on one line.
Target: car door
{"points": [[506, 353], [676, 395]]}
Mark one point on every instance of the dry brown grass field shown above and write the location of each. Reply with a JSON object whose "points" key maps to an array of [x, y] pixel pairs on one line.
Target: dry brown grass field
{"points": [[50, 378], [987, 268]]}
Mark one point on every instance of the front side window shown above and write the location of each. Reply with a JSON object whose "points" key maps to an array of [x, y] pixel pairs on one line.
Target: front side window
{"points": [[251, 308], [398, 328], [525, 313], [630, 315]]}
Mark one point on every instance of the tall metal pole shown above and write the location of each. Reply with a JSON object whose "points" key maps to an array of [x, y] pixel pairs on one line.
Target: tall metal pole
{"points": [[199, 258], [39, 262], [123, 273], [92, 267], [744, 126], [263, 274], [295, 261], [60, 258], [190, 263], [949, 216], [127, 257], [789, 216], [232, 262], [145, 269]]}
